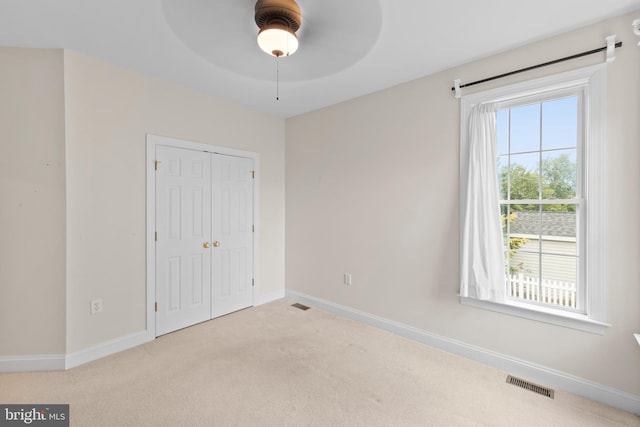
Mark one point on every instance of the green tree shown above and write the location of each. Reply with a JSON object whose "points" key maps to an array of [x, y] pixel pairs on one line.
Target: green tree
{"points": [[557, 181], [515, 243], [524, 185], [559, 176]]}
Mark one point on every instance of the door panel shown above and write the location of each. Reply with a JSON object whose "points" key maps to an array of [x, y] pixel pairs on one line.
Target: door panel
{"points": [[232, 218], [183, 223]]}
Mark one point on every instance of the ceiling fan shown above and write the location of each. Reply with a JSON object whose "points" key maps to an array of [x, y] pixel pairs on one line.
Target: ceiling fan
{"points": [[332, 35], [278, 21]]}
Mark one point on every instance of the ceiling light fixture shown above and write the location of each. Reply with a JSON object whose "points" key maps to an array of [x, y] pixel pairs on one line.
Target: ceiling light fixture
{"points": [[278, 21]]}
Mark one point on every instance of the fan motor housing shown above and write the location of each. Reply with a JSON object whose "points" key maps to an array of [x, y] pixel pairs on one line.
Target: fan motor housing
{"points": [[284, 13]]}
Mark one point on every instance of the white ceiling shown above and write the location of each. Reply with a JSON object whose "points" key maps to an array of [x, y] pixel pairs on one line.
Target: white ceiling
{"points": [[209, 45]]}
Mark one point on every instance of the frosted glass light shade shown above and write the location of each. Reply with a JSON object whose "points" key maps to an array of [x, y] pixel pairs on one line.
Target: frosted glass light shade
{"points": [[277, 41]]}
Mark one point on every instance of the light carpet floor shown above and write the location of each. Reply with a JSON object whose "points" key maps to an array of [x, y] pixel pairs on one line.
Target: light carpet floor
{"points": [[276, 365]]}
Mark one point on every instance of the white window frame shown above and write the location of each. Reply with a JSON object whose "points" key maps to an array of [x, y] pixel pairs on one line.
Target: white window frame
{"points": [[539, 98], [592, 82]]}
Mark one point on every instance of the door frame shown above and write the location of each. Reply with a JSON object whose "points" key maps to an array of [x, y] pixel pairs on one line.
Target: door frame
{"points": [[152, 142]]}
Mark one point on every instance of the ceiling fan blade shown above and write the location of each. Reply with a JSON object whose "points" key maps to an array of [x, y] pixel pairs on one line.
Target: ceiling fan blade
{"points": [[206, 26], [334, 35]]}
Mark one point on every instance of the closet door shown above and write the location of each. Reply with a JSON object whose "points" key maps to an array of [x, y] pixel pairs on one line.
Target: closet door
{"points": [[232, 234], [183, 242]]}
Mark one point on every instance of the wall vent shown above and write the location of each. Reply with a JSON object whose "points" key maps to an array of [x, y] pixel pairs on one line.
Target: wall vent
{"points": [[300, 306], [530, 386]]}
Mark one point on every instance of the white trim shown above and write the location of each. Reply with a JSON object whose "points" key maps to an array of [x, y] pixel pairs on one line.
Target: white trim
{"points": [[552, 83], [547, 315], [270, 297], [105, 349], [592, 81], [537, 373], [151, 246], [637, 338], [47, 362], [152, 142], [61, 362], [548, 238]]}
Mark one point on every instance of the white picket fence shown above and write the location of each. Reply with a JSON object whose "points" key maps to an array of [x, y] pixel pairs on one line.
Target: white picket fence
{"points": [[551, 292]]}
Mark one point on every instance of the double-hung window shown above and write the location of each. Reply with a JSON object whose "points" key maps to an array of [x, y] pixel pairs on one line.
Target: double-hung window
{"points": [[539, 148], [548, 144]]}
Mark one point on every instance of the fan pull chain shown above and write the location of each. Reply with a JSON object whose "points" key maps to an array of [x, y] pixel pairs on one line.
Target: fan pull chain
{"points": [[277, 78]]}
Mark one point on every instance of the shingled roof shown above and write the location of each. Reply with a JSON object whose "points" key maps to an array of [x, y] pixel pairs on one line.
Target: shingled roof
{"points": [[562, 224]]}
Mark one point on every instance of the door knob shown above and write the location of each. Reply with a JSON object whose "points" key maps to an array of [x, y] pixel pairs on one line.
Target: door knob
{"points": [[216, 243], [206, 245]]}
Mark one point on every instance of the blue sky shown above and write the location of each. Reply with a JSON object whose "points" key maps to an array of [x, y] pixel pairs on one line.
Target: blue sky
{"points": [[558, 131]]}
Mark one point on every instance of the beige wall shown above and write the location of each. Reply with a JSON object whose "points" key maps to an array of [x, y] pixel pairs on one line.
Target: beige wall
{"points": [[108, 112], [32, 202], [68, 241], [372, 190]]}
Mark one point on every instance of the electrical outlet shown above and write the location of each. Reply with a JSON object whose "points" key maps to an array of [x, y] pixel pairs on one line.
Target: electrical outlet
{"points": [[96, 306], [347, 279]]}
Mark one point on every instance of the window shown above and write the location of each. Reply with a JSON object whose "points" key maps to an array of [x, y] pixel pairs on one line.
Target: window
{"points": [[549, 138], [539, 147]]}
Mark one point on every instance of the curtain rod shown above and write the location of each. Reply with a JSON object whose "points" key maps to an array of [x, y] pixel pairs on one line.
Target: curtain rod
{"points": [[533, 67]]}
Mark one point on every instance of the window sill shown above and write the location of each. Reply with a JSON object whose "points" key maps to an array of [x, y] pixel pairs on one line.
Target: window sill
{"points": [[568, 320]]}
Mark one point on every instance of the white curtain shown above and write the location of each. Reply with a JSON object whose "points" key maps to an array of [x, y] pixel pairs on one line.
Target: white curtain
{"points": [[482, 274]]}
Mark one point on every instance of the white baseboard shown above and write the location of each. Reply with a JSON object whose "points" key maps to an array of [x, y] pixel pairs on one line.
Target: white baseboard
{"points": [[540, 374], [105, 349], [273, 296], [47, 362], [60, 362]]}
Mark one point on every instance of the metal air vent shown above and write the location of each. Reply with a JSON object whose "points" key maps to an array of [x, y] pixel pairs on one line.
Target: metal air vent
{"points": [[518, 382]]}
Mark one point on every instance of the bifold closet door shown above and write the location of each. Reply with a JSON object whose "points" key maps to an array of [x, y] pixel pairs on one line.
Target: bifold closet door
{"points": [[204, 236], [183, 241], [232, 216]]}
